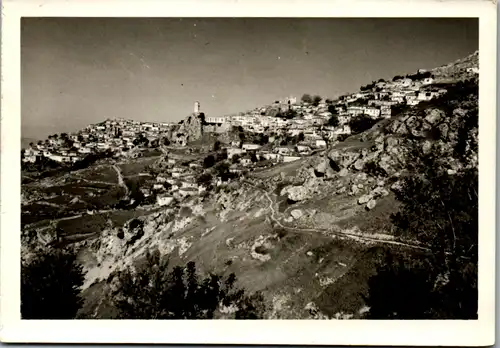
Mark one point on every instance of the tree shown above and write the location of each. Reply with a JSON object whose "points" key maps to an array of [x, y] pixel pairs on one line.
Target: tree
{"points": [[204, 179], [301, 136], [32, 144], [253, 157], [306, 98], [328, 101], [361, 123], [50, 285], [333, 121], [236, 158], [441, 211], [209, 161], [153, 292], [217, 145], [316, 100]]}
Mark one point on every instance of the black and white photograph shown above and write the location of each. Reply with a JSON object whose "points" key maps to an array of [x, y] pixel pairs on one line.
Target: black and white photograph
{"points": [[250, 168]]}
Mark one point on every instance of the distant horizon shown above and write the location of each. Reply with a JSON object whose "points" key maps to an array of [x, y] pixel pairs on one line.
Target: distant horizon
{"points": [[80, 71]]}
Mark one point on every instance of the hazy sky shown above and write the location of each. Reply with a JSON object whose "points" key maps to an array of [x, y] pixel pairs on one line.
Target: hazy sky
{"points": [[77, 71]]}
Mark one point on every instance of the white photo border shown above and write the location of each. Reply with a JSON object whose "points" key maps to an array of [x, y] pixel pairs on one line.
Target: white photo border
{"points": [[305, 332]]}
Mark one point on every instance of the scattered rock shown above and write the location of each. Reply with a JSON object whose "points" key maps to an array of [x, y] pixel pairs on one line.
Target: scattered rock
{"points": [[364, 199], [371, 204], [426, 147], [296, 193], [443, 130], [359, 164], [434, 115], [296, 213], [343, 172], [354, 189]]}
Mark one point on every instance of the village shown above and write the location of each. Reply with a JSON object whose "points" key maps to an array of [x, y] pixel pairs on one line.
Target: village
{"points": [[288, 117], [281, 132]]}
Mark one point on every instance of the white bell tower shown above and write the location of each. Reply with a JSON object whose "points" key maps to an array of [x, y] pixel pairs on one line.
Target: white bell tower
{"points": [[196, 107]]}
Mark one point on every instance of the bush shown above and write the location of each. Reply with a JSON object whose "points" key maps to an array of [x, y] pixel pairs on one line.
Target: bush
{"points": [[217, 145], [209, 161], [441, 211], [361, 123], [306, 98], [316, 100], [50, 286], [152, 292], [334, 121]]}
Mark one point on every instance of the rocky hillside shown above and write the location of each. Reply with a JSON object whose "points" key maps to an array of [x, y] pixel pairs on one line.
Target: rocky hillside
{"points": [[307, 234], [461, 69]]}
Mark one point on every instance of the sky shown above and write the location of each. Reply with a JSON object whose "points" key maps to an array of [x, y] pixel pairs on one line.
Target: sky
{"points": [[78, 71]]}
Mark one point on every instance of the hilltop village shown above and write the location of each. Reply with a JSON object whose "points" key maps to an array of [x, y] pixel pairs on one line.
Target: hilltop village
{"points": [[302, 199], [283, 131], [320, 121]]}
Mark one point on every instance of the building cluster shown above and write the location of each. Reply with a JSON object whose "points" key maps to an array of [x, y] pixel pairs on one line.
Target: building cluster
{"points": [[117, 135], [288, 117], [312, 118], [176, 182]]}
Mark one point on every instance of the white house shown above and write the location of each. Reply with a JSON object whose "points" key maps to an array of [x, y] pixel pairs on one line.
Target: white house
{"points": [[158, 187], [164, 199], [188, 191], [250, 146], [290, 158], [426, 95], [234, 151], [245, 161], [303, 148], [320, 143]]}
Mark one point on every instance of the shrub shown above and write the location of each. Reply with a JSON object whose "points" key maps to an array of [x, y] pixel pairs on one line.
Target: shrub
{"points": [[152, 292], [306, 98], [50, 285], [209, 161], [316, 100], [361, 123]]}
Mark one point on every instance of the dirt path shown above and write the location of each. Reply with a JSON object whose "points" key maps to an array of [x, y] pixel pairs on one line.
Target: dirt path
{"points": [[311, 231], [120, 178]]}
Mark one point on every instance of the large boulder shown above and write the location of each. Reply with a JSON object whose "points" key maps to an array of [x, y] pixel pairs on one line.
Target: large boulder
{"points": [[322, 166], [343, 159], [443, 130], [297, 193], [402, 129], [391, 142], [426, 147], [359, 164], [343, 172], [296, 213], [365, 199], [371, 204], [412, 122], [433, 116]]}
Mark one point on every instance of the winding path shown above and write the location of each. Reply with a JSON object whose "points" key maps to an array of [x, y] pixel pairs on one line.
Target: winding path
{"points": [[336, 232], [120, 178]]}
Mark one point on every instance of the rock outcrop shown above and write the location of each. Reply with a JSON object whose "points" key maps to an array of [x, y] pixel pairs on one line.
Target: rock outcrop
{"points": [[191, 129]]}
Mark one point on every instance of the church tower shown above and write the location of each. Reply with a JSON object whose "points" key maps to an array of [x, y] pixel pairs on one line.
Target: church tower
{"points": [[197, 107]]}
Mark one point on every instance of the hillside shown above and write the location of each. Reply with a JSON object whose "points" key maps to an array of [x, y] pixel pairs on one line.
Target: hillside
{"points": [[308, 234]]}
